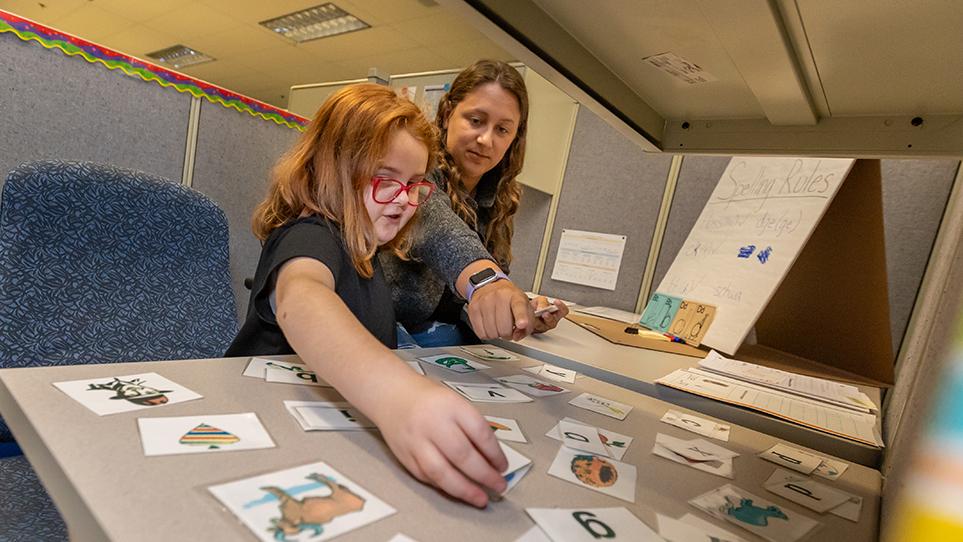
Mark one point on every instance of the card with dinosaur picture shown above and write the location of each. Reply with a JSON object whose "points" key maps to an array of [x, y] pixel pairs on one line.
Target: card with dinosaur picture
{"points": [[113, 394], [311, 502], [756, 515], [203, 434]]}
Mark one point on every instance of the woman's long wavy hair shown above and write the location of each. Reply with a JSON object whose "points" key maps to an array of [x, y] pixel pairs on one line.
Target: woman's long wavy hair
{"points": [[498, 234], [329, 168]]}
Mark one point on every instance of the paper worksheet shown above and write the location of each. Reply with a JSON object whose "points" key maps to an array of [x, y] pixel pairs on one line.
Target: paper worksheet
{"points": [[844, 422], [837, 393], [589, 258]]}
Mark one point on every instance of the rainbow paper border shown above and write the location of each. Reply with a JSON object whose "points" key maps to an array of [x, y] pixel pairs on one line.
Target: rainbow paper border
{"points": [[49, 38]]}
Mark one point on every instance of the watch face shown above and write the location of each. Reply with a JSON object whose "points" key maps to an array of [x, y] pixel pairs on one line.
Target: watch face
{"points": [[481, 276]]}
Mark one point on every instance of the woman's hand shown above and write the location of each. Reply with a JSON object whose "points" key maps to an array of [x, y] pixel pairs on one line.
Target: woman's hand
{"points": [[548, 320], [442, 440]]}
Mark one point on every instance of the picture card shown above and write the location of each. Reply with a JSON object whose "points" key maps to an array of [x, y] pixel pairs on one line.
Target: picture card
{"points": [[666, 447], [676, 530], [328, 416], [792, 458], [455, 363], [202, 434], [756, 515], [601, 405], [488, 393], [850, 509], [594, 472], [591, 524], [697, 425], [113, 394], [290, 373], [416, 367], [314, 501], [552, 372], [489, 352], [506, 429], [830, 468], [531, 386], [717, 532], [804, 491], [518, 466], [256, 366], [615, 443], [582, 437], [400, 537]]}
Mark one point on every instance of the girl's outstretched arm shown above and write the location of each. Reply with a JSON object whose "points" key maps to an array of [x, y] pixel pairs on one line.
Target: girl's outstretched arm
{"points": [[439, 437]]}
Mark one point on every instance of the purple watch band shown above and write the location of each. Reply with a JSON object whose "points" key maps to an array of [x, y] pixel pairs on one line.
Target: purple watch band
{"points": [[497, 276]]}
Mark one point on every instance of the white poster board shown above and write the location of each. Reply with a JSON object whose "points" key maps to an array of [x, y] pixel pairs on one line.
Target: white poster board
{"points": [[589, 258], [750, 232]]}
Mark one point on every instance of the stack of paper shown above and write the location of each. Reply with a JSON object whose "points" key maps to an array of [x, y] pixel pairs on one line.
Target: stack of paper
{"points": [[820, 389], [845, 422]]}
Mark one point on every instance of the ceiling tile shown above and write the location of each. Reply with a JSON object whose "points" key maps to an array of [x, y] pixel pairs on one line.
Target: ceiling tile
{"points": [[388, 11], [192, 20], [92, 23], [362, 43], [138, 40], [139, 11], [237, 41], [45, 13], [255, 11], [437, 30]]}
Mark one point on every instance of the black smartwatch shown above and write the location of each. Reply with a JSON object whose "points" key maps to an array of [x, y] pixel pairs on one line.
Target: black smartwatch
{"points": [[483, 277]]}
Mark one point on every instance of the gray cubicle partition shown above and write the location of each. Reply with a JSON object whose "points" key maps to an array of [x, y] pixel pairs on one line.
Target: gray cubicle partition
{"points": [[915, 194], [58, 107], [610, 186], [234, 156], [530, 224]]}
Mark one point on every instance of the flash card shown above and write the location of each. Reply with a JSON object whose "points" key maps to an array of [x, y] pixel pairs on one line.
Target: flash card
{"points": [[328, 416], [756, 515], [314, 499], [416, 367], [531, 386], [488, 393], [110, 395], [594, 472], [493, 353], [200, 434], [454, 363], [615, 443], [591, 524], [518, 466], [792, 458], [552, 372], [255, 367], [801, 490], [608, 407], [289, 373], [697, 425], [506, 429], [666, 447], [582, 437]]}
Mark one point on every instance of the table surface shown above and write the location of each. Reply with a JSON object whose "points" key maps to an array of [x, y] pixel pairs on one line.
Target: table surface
{"points": [[637, 369], [96, 472]]}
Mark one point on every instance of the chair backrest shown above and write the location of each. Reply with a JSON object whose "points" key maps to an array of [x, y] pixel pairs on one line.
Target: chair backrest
{"points": [[100, 264]]}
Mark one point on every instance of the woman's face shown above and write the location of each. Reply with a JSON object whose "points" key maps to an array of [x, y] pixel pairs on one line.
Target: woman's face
{"points": [[481, 127], [405, 161]]}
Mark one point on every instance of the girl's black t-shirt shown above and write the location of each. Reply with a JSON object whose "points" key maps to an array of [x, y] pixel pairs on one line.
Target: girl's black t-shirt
{"points": [[312, 237]]}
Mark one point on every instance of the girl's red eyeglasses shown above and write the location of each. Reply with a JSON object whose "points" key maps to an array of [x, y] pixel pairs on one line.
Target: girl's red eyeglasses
{"points": [[386, 190]]}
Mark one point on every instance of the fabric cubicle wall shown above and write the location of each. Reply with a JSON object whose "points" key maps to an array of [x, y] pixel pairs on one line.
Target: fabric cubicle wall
{"points": [[233, 159], [530, 222], [610, 186], [63, 108]]}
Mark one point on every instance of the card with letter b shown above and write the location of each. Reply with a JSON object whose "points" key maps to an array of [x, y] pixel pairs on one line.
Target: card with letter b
{"points": [[591, 524]]}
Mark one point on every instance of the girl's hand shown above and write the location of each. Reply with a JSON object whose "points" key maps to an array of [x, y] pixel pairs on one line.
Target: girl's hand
{"points": [[442, 440], [548, 320]]}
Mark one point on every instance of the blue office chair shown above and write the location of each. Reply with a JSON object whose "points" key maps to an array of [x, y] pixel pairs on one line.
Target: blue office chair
{"points": [[100, 264]]}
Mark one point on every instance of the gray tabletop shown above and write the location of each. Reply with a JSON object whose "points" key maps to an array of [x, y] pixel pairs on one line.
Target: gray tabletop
{"points": [[637, 369], [95, 469]]}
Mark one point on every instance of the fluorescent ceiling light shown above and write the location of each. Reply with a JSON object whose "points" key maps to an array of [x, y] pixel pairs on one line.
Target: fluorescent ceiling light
{"points": [[313, 23], [180, 56]]}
